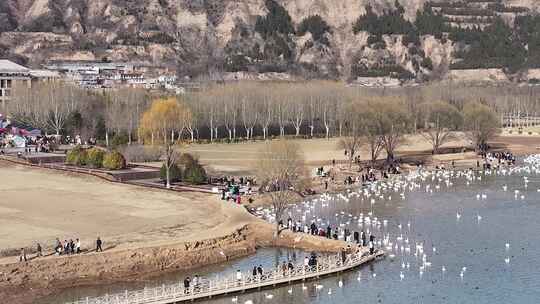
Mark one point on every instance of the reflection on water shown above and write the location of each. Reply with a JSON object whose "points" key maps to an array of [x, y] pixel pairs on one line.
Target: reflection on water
{"points": [[493, 273]]}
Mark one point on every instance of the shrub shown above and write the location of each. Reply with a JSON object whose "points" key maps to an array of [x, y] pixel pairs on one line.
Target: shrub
{"points": [[187, 159], [95, 158], [141, 154], [77, 156], [175, 173], [120, 140], [114, 161], [195, 174]]}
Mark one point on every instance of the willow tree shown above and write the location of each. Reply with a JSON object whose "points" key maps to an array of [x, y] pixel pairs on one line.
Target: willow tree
{"points": [[163, 119], [481, 124], [282, 172], [442, 119]]}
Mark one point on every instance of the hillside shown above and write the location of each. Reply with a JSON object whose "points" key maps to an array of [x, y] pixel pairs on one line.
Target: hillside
{"points": [[411, 40]]}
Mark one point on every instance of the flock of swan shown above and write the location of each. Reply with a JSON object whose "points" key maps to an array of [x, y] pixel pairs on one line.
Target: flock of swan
{"points": [[359, 212]]}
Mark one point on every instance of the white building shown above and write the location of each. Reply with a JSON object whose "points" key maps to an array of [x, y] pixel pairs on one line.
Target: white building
{"points": [[11, 74]]}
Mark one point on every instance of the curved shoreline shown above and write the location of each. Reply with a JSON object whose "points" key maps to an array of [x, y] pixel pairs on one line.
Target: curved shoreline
{"points": [[238, 235]]}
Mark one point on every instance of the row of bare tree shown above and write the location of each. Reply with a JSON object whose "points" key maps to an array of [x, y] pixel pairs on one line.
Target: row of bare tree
{"points": [[257, 109]]}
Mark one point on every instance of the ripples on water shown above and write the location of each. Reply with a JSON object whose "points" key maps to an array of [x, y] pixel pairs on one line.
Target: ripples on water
{"points": [[478, 245]]}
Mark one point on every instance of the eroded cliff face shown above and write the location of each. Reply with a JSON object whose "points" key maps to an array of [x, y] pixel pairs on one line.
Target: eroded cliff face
{"points": [[204, 35]]}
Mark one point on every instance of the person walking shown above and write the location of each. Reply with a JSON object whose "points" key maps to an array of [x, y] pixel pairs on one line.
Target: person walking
{"points": [[99, 243], [78, 246]]}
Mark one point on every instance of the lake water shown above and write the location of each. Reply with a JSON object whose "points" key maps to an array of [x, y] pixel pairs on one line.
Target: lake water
{"points": [[494, 272]]}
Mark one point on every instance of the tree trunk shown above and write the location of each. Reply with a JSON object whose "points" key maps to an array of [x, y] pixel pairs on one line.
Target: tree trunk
{"points": [[107, 138], [327, 132], [167, 174]]}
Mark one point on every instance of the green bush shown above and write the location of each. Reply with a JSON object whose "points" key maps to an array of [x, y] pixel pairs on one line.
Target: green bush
{"points": [[77, 156], [95, 158], [187, 159], [194, 173], [120, 140], [175, 173], [114, 161]]}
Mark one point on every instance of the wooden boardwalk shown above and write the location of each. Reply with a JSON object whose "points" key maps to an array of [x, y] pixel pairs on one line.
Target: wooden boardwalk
{"points": [[176, 293]]}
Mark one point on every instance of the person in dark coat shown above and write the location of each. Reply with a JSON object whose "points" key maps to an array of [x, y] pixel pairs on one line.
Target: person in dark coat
{"points": [[99, 243], [363, 235], [329, 232], [187, 282]]}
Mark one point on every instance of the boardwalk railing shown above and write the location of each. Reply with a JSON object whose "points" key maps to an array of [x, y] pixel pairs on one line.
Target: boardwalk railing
{"points": [[174, 293]]}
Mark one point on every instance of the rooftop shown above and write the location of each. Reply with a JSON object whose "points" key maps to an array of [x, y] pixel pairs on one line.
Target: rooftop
{"points": [[7, 66]]}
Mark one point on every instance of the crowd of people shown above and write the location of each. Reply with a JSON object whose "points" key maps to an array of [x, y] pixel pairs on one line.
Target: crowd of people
{"points": [[357, 237], [61, 248]]}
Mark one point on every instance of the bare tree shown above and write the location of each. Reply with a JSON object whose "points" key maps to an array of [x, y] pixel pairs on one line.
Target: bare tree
{"points": [[391, 121], [46, 105], [352, 131], [481, 124], [442, 120], [267, 113], [282, 171], [250, 116]]}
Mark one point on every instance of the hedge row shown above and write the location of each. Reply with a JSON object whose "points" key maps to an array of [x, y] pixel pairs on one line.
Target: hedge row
{"points": [[95, 158]]}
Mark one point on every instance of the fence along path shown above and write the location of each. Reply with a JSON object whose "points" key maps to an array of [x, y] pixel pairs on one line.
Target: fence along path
{"points": [[175, 293]]}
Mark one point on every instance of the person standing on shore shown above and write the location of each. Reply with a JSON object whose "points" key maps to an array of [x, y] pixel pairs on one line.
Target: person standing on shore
{"points": [[328, 232], [39, 250], [187, 282], [22, 257], [260, 271], [239, 276], [78, 246], [99, 243]]}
